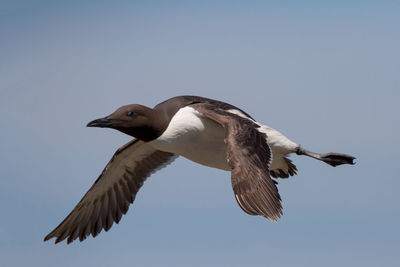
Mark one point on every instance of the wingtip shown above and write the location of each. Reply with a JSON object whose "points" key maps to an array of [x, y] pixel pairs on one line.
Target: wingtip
{"points": [[47, 238], [274, 218], [50, 236], [58, 240]]}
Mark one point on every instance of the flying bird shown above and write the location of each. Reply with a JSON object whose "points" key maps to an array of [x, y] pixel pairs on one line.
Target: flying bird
{"points": [[206, 131]]}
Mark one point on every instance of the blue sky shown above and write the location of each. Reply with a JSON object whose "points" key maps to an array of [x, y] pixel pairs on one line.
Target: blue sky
{"points": [[325, 74]]}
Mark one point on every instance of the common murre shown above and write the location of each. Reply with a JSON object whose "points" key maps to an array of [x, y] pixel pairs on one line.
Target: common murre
{"points": [[206, 131]]}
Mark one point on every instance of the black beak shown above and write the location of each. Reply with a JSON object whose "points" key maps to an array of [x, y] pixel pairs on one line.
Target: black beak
{"points": [[103, 122]]}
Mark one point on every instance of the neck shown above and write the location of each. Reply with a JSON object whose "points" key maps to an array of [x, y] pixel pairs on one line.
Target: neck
{"points": [[142, 133], [151, 125]]}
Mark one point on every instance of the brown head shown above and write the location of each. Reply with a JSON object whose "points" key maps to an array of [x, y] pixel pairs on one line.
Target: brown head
{"points": [[135, 120]]}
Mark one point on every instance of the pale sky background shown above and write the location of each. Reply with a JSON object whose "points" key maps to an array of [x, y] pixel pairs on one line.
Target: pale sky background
{"points": [[325, 74]]}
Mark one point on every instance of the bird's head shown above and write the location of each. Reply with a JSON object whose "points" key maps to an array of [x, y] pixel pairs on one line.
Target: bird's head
{"points": [[135, 120]]}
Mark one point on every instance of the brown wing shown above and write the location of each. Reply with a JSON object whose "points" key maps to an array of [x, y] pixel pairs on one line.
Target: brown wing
{"points": [[110, 195], [247, 154]]}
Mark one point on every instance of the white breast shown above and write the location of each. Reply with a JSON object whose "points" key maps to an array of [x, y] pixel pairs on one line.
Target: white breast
{"points": [[195, 137]]}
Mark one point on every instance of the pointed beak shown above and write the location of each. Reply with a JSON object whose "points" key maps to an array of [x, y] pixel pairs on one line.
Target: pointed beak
{"points": [[103, 122]]}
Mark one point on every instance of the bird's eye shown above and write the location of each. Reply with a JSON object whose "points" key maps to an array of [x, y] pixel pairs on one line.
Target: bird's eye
{"points": [[129, 113]]}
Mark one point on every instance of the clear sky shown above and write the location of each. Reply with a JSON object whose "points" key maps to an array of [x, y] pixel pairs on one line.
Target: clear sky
{"points": [[325, 74]]}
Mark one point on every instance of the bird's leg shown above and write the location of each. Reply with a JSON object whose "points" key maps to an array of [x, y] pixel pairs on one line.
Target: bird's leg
{"points": [[333, 159]]}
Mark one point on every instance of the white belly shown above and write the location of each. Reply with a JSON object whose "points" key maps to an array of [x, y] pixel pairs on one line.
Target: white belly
{"points": [[195, 137]]}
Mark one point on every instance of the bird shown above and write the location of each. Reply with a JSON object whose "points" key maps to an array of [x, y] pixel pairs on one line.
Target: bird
{"points": [[209, 132]]}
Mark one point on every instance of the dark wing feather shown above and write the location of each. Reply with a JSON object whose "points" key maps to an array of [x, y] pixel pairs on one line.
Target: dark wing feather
{"points": [[290, 170], [247, 155], [109, 197]]}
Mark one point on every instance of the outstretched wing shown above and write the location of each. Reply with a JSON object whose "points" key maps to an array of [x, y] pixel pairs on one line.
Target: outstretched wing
{"points": [[249, 155], [110, 195]]}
